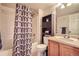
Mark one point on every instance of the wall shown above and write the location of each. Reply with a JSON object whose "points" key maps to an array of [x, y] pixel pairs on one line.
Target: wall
{"points": [[0, 20], [34, 28], [47, 11], [39, 24], [7, 26]]}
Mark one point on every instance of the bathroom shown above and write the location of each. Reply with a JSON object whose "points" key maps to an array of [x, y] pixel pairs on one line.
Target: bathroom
{"points": [[7, 20], [60, 26]]}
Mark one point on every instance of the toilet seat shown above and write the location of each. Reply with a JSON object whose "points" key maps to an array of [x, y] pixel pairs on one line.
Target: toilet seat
{"points": [[41, 46], [41, 49]]}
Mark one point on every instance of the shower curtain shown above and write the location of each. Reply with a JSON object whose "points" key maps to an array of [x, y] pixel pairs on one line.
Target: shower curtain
{"points": [[22, 31]]}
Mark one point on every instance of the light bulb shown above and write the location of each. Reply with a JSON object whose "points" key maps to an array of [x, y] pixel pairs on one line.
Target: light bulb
{"points": [[69, 4], [59, 4], [62, 6]]}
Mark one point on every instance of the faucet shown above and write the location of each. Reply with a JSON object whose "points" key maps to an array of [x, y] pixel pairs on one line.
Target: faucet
{"points": [[67, 35]]}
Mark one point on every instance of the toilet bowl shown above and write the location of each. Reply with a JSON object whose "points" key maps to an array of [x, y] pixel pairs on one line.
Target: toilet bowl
{"points": [[42, 47]]}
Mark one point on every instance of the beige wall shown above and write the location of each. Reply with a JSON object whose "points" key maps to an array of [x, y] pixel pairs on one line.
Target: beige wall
{"points": [[47, 11], [7, 26], [39, 24], [0, 20], [34, 28]]}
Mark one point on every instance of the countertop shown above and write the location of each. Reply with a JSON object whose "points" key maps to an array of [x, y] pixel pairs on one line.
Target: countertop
{"points": [[66, 41]]}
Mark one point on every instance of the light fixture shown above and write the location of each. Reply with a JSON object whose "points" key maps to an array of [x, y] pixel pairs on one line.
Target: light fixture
{"points": [[59, 4], [69, 4], [62, 6]]}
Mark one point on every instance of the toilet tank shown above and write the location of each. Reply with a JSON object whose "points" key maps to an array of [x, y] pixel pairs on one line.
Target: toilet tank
{"points": [[46, 40]]}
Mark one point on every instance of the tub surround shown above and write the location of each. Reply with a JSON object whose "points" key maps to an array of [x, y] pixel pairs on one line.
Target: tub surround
{"points": [[60, 46]]}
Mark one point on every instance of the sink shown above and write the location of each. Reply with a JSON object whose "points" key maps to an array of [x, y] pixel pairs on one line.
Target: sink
{"points": [[68, 39], [59, 36], [73, 39]]}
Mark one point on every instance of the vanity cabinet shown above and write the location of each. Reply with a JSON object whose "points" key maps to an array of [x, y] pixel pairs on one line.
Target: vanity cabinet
{"points": [[76, 51], [58, 49], [66, 50], [52, 48]]}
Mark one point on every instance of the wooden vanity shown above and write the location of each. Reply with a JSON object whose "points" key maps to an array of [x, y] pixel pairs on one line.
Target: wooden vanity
{"points": [[56, 48]]}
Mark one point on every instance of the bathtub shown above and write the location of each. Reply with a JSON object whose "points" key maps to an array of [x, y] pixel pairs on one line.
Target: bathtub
{"points": [[8, 52]]}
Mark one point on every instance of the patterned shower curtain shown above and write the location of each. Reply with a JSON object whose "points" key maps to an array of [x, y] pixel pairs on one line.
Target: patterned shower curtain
{"points": [[22, 31]]}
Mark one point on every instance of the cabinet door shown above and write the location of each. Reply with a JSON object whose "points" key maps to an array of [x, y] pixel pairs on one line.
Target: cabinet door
{"points": [[66, 50], [52, 48], [76, 51]]}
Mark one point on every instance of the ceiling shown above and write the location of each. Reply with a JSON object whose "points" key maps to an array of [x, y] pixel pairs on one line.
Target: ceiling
{"points": [[70, 9], [74, 8], [35, 6]]}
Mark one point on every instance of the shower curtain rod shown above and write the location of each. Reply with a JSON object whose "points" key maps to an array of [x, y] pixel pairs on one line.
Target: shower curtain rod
{"points": [[34, 12]]}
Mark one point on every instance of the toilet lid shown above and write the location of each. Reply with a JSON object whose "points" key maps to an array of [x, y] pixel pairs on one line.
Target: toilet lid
{"points": [[41, 46], [45, 40]]}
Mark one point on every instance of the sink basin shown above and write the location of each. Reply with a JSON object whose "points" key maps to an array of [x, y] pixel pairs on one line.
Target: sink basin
{"points": [[73, 39], [59, 36], [68, 39]]}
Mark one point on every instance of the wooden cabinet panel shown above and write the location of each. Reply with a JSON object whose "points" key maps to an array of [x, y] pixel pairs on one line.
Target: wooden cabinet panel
{"points": [[58, 49], [76, 52], [66, 50], [52, 48]]}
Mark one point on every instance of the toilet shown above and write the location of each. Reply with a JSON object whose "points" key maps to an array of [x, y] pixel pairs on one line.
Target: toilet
{"points": [[42, 47]]}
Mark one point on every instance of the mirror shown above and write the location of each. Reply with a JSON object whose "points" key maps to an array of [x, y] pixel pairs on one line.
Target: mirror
{"points": [[68, 18]]}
